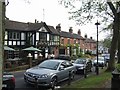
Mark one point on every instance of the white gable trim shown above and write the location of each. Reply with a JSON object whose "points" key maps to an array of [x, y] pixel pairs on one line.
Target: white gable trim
{"points": [[42, 29]]}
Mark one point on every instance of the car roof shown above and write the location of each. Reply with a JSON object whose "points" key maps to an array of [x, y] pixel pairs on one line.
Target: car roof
{"points": [[57, 60]]}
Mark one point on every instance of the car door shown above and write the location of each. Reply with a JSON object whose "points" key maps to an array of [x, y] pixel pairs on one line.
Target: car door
{"points": [[70, 69], [62, 74]]}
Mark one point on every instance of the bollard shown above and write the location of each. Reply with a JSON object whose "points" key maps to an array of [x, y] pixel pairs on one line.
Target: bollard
{"points": [[97, 69], [69, 81], [102, 67], [85, 73], [115, 83]]}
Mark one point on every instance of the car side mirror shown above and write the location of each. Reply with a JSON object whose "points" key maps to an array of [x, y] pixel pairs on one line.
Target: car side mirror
{"points": [[61, 68]]}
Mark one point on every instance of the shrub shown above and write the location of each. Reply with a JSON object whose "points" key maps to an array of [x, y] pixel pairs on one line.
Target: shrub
{"points": [[118, 67], [87, 56]]}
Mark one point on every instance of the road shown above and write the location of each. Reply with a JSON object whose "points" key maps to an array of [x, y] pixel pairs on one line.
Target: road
{"points": [[20, 84]]}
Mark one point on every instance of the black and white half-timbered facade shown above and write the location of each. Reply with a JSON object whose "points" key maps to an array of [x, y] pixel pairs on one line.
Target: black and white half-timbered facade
{"points": [[19, 35]]}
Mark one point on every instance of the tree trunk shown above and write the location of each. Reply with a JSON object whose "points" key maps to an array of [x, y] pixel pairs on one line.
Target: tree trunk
{"points": [[111, 64], [118, 54]]}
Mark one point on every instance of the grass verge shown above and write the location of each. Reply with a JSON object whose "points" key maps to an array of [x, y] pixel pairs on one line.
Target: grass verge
{"points": [[93, 81]]}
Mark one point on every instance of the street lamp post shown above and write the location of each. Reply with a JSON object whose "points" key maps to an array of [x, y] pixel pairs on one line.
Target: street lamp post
{"points": [[97, 66]]}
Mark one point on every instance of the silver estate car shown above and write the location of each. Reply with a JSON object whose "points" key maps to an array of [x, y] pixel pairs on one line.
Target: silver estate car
{"points": [[50, 72]]}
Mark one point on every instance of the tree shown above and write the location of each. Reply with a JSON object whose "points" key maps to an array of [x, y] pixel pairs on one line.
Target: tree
{"points": [[106, 42], [2, 29], [107, 11]]}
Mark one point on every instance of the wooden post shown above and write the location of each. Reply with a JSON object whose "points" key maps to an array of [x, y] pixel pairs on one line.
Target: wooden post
{"points": [[30, 60], [2, 27]]}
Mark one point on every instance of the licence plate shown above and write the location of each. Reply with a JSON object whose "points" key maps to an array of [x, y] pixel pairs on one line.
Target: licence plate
{"points": [[31, 79], [4, 85]]}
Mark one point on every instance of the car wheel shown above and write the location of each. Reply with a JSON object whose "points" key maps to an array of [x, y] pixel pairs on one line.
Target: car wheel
{"points": [[53, 83]]}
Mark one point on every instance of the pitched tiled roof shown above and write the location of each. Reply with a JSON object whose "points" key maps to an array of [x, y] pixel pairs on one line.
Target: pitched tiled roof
{"points": [[53, 30], [82, 38], [70, 35], [66, 34], [20, 26], [13, 25], [88, 40], [76, 36], [34, 26]]}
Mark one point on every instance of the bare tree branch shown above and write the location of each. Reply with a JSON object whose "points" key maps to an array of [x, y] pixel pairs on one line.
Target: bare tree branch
{"points": [[112, 7]]}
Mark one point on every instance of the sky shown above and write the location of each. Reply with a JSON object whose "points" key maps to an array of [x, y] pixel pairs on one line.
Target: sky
{"points": [[49, 11]]}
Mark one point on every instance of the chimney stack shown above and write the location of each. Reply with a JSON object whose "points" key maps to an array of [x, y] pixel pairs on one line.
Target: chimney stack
{"points": [[35, 20], [79, 32], [85, 35], [70, 30], [58, 27], [91, 38]]}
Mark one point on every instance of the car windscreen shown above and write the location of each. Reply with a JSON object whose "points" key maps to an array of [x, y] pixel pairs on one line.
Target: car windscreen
{"points": [[79, 61], [49, 65]]}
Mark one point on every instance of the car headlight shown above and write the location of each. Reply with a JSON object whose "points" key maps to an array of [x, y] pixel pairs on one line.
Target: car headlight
{"points": [[81, 67], [26, 73], [43, 76]]}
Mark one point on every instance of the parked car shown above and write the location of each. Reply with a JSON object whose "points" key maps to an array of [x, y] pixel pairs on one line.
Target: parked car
{"points": [[8, 81], [49, 73], [63, 57], [83, 64], [106, 57], [101, 61]]}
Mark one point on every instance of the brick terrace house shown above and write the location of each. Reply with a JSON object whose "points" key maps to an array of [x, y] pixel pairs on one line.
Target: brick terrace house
{"points": [[90, 44], [70, 43]]}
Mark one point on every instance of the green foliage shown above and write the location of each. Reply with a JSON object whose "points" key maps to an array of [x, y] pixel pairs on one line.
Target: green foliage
{"points": [[74, 57], [118, 67], [80, 54], [107, 42], [88, 52], [87, 56], [83, 11]]}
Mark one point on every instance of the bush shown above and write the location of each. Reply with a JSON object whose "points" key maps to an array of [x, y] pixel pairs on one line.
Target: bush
{"points": [[80, 54], [118, 67], [73, 57], [88, 52], [87, 56]]}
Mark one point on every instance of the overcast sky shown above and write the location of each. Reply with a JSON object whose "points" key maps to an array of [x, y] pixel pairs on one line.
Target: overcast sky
{"points": [[49, 11]]}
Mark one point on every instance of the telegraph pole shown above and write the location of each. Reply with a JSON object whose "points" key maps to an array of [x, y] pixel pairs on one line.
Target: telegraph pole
{"points": [[2, 28]]}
